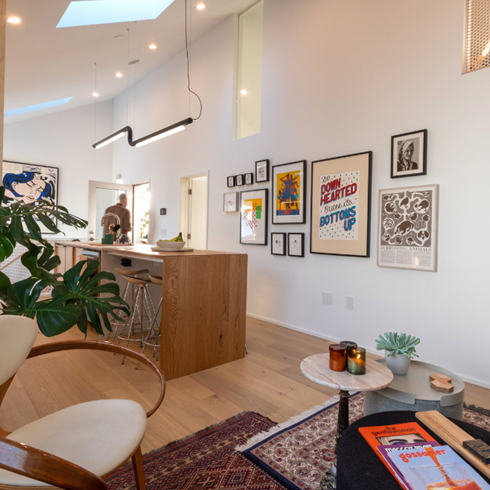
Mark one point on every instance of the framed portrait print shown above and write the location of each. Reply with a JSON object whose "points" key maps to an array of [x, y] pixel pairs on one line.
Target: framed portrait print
{"points": [[239, 179], [289, 193], [278, 243], [230, 202], [409, 154], [28, 183], [253, 217], [230, 181], [296, 244], [262, 171], [249, 179], [341, 205], [407, 228]]}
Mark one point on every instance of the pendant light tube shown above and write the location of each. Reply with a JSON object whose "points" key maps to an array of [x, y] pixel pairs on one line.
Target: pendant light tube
{"points": [[113, 137], [163, 133]]}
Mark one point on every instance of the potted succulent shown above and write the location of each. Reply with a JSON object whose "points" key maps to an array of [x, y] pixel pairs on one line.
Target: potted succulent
{"points": [[399, 349], [77, 296]]}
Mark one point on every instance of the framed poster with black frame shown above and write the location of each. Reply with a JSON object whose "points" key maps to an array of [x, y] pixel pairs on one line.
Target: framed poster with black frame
{"points": [[296, 244], [289, 191], [278, 243], [262, 171], [239, 179], [341, 205], [28, 183], [249, 178], [231, 181], [409, 154], [253, 217], [407, 228]]}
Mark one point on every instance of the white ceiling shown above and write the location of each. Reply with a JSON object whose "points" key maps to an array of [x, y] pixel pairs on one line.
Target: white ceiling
{"points": [[45, 64]]}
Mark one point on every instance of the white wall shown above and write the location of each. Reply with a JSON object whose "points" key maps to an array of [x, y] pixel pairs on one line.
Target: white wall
{"points": [[339, 78], [64, 139]]}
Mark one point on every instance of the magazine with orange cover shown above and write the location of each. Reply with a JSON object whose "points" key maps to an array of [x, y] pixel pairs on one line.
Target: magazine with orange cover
{"points": [[402, 434]]}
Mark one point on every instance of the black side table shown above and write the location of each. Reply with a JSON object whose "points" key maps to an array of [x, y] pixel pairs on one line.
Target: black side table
{"points": [[358, 466]]}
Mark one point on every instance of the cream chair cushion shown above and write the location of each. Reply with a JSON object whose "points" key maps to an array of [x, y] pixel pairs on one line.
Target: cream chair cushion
{"points": [[98, 436], [17, 336]]}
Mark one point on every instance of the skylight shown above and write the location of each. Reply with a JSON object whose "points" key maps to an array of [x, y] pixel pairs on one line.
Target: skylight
{"points": [[37, 107], [86, 13]]}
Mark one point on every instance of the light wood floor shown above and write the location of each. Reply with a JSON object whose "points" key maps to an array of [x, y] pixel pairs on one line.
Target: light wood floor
{"points": [[268, 381]]}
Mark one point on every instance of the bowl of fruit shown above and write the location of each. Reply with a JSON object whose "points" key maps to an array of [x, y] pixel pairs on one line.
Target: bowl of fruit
{"points": [[175, 243]]}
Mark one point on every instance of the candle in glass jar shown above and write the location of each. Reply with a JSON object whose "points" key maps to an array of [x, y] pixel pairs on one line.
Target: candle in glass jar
{"points": [[348, 343], [356, 360], [338, 357]]}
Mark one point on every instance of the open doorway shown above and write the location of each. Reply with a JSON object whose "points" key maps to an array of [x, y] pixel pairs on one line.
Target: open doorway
{"points": [[141, 212], [194, 211]]}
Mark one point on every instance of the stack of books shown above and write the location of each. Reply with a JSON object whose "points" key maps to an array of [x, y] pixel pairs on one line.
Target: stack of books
{"points": [[418, 462]]}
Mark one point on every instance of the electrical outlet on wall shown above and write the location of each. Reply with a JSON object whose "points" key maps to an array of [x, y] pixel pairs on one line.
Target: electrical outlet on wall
{"points": [[327, 298], [349, 302], [163, 232]]}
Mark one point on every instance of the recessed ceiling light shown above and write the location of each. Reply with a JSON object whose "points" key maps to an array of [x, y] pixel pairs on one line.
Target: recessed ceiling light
{"points": [[95, 94], [201, 6], [153, 46], [13, 20], [243, 92], [119, 75]]}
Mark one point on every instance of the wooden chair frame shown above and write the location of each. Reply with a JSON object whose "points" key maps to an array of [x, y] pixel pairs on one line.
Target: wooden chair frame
{"points": [[40, 465]]}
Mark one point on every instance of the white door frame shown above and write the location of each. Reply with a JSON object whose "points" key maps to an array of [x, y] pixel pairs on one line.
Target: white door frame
{"points": [[185, 224], [93, 185]]}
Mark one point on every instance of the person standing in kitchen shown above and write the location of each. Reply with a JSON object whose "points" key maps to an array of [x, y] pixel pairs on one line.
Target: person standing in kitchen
{"points": [[120, 209]]}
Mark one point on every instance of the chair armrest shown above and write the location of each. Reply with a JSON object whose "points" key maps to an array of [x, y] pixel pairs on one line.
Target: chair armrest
{"points": [[103, 346], [48, 468]]}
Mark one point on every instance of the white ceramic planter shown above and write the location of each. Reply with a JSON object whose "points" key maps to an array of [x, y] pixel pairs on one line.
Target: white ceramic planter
{"points": [[398, 364]]}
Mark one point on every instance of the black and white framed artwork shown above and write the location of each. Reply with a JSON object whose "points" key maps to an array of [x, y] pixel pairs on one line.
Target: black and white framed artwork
{"points": [[239, 179], [278, 243], [296, 245], [230, 181], [409, 154], [249, 179], [262, 171]]}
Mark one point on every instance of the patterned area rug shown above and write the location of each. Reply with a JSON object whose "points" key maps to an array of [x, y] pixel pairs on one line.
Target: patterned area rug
{"points": [[299, 452], [204, 461]]}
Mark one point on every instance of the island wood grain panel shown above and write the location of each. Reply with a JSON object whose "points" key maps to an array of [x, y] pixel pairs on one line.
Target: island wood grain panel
{"points": [[203, 312]]}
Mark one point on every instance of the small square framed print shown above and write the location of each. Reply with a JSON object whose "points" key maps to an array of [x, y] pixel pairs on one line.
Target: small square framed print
{"points": [[409, 154], [230, 181], [262, 171], [249, 179], [278, 243], [296, 245], [239, 179], [230, 202]]}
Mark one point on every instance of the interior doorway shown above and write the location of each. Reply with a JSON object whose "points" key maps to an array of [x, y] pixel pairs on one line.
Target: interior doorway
{"points": [[194, 211], [101, 196], [141, 212]]}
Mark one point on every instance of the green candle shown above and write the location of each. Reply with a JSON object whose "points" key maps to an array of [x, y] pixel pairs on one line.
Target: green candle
{"points": [[356, 360]]}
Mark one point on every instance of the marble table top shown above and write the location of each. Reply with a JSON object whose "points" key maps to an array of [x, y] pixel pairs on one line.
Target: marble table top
{"points": [[317, 369]]}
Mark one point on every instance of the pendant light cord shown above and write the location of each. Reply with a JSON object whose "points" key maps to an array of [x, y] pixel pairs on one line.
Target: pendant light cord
{"points": [[188, 68], [95, 101]]}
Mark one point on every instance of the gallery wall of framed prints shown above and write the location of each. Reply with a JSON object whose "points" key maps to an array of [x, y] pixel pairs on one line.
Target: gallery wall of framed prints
{"points": [[407, 228], [289, 193], [341, 205]]}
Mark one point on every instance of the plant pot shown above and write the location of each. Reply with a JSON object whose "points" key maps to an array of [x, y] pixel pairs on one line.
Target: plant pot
{"points": [[398, 364]]}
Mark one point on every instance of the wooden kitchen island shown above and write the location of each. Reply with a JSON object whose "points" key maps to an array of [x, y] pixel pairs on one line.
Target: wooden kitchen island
{"points": [[204, 296]]}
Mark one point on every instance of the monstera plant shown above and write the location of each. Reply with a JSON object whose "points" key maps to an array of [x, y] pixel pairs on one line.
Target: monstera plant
{"points": [[77, 296]]}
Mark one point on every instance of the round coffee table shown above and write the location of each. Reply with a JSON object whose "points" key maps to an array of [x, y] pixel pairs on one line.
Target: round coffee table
{"points": [[317, 369]]}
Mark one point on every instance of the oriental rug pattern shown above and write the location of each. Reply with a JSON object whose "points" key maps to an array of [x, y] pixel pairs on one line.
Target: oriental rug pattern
{"points": [[204, 461], [299, 452]]}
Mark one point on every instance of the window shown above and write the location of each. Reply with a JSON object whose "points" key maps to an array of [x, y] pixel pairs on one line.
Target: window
{"points": [[477, 35], [249, 74]]}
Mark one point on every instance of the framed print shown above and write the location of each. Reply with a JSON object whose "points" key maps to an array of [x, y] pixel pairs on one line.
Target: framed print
{"points": [[239, 179], [230, 181], [341, 205], [409, 154], [249, 179], [407, 228], [296, 244], [278, 243], [289, 191], [230, 202], [253, 217], [28, 183], [262, 171]]}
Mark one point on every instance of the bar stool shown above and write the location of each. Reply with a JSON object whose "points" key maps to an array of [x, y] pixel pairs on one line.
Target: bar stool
{"points": [[126, 272], [153, 337], [140, 306]]}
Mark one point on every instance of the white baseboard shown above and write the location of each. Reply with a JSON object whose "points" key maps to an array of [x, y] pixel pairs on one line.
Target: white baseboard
{"points": [[478, 382]]}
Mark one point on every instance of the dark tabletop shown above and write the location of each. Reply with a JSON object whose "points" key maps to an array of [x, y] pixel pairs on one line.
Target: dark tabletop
{"points": [[358, 466]]}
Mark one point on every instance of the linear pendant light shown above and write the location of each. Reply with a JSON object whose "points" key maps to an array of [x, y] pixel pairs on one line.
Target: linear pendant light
{"points": [[162, 133]]}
